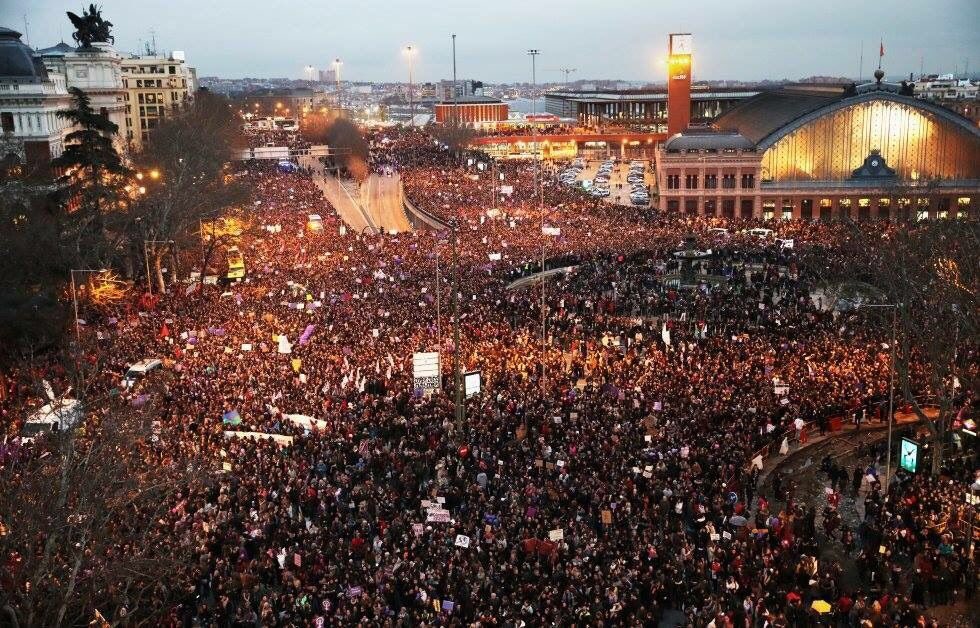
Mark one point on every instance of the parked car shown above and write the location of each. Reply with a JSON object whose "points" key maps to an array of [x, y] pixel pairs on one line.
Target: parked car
{"points": [[138, 371]]}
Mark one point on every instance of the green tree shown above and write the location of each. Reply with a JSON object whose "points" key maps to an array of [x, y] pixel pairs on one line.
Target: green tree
{"points": [[91, 184]]}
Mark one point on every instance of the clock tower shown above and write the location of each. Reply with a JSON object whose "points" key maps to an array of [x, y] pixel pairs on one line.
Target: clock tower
{"points": [[678, 82]]}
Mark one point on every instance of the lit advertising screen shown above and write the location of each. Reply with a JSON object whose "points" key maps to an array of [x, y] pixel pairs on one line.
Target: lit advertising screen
{"points": [[908, 455]]}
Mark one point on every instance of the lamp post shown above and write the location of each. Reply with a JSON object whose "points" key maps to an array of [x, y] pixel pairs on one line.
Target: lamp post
{"points": [[538, 191], [336, 75], [410, 53], [891, 387], [972, 497], [74, 294], [457, 367], [438, 299]]}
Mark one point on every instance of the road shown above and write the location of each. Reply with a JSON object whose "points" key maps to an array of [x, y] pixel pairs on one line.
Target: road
{"points": [[381, 197], [348, 209]]}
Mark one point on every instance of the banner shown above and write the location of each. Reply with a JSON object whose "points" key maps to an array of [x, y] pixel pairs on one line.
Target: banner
{"points": [[427, 371]]}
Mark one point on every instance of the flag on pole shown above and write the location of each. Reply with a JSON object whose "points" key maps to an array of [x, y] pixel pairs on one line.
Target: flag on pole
{"points": [[881, 49]]}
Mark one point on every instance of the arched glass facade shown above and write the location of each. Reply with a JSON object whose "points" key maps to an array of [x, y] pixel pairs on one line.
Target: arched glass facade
{"points": [[917, 144]]}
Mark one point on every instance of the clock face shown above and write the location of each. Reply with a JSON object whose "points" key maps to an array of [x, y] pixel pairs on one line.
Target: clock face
{"points": [[681, 44], [874, 163]]}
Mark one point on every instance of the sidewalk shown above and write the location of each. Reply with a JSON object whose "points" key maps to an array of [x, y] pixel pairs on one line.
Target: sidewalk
{"points": [[770, 464]]}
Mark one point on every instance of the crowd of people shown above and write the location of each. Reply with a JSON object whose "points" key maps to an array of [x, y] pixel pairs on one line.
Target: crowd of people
{"points": [[606, 474]]}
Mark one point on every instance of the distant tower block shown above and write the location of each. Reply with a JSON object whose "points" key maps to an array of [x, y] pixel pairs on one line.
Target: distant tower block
{"points": [[678, 82]]}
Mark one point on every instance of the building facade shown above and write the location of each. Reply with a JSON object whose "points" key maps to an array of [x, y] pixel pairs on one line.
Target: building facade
{"points": [[96, 70], [641, 109], [30, 98], [871, 152], [472, 111], [155, 87]]}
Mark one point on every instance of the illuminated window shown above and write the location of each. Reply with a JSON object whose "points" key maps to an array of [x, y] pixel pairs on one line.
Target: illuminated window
{"points": [[768, 209], [844, 206], [864, 208], [787, 213], [826, 209], [884, 208], [963, 207], [806, 209]]}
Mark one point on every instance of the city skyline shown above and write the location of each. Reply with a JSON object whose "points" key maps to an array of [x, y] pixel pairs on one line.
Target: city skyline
{"points": [[626, 44]]}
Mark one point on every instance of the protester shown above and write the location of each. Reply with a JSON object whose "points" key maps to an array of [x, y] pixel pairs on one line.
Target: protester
{"points": [[601, 477]]}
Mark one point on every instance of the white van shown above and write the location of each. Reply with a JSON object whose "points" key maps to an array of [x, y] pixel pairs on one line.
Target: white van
{"points": [[54, 416], [314, 222], [139, 370], [759, 232]]}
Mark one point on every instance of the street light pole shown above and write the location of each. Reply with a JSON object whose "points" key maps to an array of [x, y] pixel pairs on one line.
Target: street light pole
{"points": [[438, 299], [539, 192], [410, 51], [891, 388], [336, 74], [457, 366]]}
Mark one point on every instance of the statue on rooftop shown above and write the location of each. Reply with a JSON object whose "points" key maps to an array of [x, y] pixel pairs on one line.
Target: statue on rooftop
{"points": [[91, 27]]}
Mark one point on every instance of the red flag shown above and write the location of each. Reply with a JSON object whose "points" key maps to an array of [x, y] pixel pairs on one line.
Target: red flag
{"points": [[881, 49], [164, 331]]}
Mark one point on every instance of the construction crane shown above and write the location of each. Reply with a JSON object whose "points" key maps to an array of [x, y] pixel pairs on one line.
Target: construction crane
{"points": [[567, 71]]}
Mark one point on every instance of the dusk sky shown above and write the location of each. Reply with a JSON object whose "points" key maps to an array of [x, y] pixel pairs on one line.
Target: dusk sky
{"points": [[624, 39]]}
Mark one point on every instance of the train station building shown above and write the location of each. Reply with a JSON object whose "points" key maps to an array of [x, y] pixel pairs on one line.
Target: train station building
{"points": [[872, 151]]}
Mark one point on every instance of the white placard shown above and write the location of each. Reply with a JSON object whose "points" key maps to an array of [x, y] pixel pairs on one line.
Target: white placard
{"points": [[462, 540], [472, 383], [426, 370]]}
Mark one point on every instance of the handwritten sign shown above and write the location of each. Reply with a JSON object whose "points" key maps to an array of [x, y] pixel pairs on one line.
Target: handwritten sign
{"points": [[556, 535], [462, 540]]}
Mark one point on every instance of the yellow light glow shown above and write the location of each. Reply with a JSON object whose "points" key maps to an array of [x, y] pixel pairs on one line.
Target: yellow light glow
{"points": [[139, 175], [154, 174]]}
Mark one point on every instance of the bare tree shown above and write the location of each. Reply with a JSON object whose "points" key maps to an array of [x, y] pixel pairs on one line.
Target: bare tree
{"points": [[454, 134], [82, 512], [187, 157], [930, 273]]}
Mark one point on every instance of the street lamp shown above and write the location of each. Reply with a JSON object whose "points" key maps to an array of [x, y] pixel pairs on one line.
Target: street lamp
{"points": [[410, 53], [891, 386], [336, 74], [74, 294], [972, 499], [539, 191]]}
